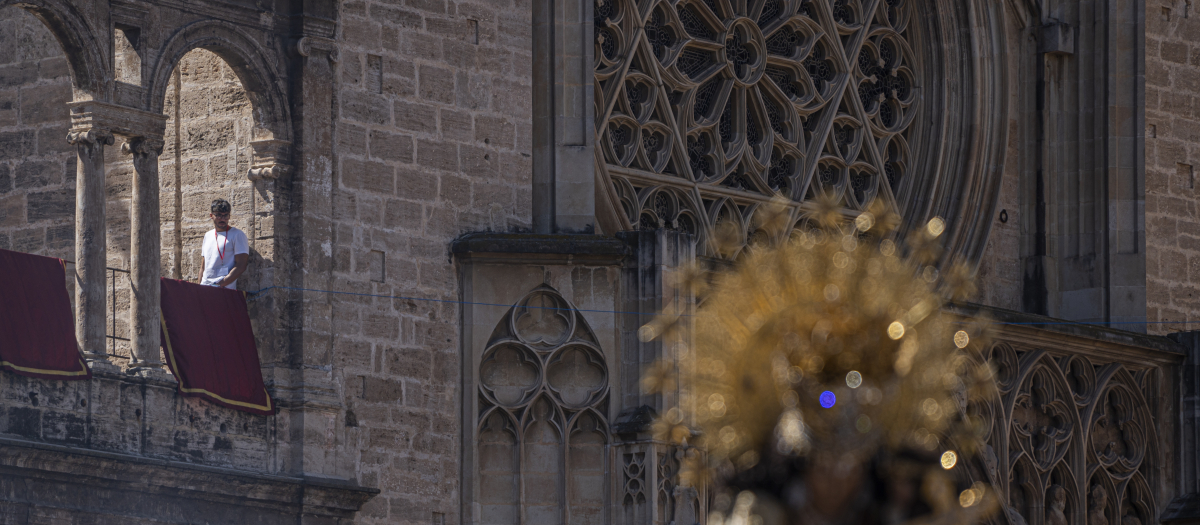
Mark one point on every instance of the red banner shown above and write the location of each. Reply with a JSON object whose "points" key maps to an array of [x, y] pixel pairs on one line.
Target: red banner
{"points": [[210, 347], [37, 326]]}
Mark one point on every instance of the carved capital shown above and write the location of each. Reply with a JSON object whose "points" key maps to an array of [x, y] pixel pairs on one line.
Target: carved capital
{"points": [[142, 147], [306, 45], [90, 137]]}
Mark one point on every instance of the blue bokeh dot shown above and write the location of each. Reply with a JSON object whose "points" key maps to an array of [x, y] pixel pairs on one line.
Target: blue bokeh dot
{"points": [[828, 399]]}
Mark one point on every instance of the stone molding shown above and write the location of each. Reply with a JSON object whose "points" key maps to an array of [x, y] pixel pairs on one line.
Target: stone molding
{"points": [[542, 248], [168, 490], [120, 120], [1090, 340]]}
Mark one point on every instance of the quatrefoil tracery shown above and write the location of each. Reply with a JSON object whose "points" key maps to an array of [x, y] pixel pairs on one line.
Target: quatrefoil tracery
{"points": [[748, 99]]}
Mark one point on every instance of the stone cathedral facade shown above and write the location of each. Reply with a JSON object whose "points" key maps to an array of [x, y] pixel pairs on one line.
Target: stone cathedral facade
{"points": [[461, 211]]}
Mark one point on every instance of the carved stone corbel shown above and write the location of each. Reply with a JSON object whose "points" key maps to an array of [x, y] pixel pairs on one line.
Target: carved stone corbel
{"points": [[270, 160], [306, 45]]}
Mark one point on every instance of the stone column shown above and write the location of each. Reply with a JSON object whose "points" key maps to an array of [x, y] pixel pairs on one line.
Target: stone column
{"points": [[646, 290], [1189, 415], [145, 252], [90, 239], [564, 184]]}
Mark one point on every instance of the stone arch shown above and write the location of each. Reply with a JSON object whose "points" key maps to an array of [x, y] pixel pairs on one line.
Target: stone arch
{"points": [[963, 177], [260, 77], [86, 55]]}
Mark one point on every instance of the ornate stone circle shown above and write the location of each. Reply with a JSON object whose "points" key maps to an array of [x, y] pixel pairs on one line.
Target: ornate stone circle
{"points": [[707, 108]]}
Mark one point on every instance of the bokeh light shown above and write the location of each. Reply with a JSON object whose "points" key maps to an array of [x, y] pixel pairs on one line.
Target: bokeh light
{"points": [[863, 424], [949, 459], [828, 399], [961, 339], [853, 379], [968, 498]]}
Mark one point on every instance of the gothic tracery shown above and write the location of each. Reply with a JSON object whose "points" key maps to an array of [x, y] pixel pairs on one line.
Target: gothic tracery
{"points": [[542, 425], [1077, 439], [705, 108]]}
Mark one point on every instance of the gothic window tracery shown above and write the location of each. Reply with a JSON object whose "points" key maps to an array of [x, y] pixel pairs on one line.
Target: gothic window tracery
{"points": [[736, 102], [542, 425], [1078, 439]]}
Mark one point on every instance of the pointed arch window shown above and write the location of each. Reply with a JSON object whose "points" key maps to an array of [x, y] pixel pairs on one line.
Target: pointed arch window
{"points": [[542, 425]]}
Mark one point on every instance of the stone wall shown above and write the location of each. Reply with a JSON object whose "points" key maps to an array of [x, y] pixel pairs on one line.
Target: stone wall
{"points": [[37, 166], [1172, 156], [117, 413], [432, 140]]}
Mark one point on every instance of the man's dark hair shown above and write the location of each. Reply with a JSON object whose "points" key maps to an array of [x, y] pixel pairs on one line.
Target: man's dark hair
{"points": [[221, 206]]}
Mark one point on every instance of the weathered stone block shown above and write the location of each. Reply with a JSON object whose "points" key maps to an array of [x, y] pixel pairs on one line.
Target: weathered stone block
{"points": [[370, 108], [391, 146], [45, 103], [17, 144], [437, 84], [416, 117], [384, 391], [414, 363], [415, 185], [12, 211], [396, 17], [456, 125], [369, 176], [13, 75], [432, 6], [22, 421], [437, 154], [381, 326], [37, 174], [52, 140]]}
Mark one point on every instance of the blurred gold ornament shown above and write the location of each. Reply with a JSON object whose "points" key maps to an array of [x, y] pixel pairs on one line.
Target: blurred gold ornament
{"points": [[829, 348]]}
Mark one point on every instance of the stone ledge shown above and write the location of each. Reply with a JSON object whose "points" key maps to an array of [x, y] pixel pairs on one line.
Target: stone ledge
{"points": [[55, 479], [540, 248], [1114, 343], [1183, 509]]}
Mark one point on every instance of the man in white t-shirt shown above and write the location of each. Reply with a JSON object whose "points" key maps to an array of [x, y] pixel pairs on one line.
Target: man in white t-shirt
{"points": [[226, 250]]}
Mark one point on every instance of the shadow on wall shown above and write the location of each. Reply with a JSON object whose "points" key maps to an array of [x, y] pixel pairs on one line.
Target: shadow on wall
{"points": [[37, 166]]}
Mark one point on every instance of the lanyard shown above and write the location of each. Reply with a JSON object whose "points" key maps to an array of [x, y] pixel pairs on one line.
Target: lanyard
{"points": [[220, 248]]}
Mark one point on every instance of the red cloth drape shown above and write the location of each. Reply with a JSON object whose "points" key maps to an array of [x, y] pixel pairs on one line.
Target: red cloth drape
{"points": [[37, 327], [210, 346]]}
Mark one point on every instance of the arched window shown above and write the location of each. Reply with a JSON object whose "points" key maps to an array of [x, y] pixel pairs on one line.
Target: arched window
{"points": [[542, 417]]}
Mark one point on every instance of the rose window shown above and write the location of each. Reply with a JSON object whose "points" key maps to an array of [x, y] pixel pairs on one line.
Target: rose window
{"points": [[708, 108]]}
